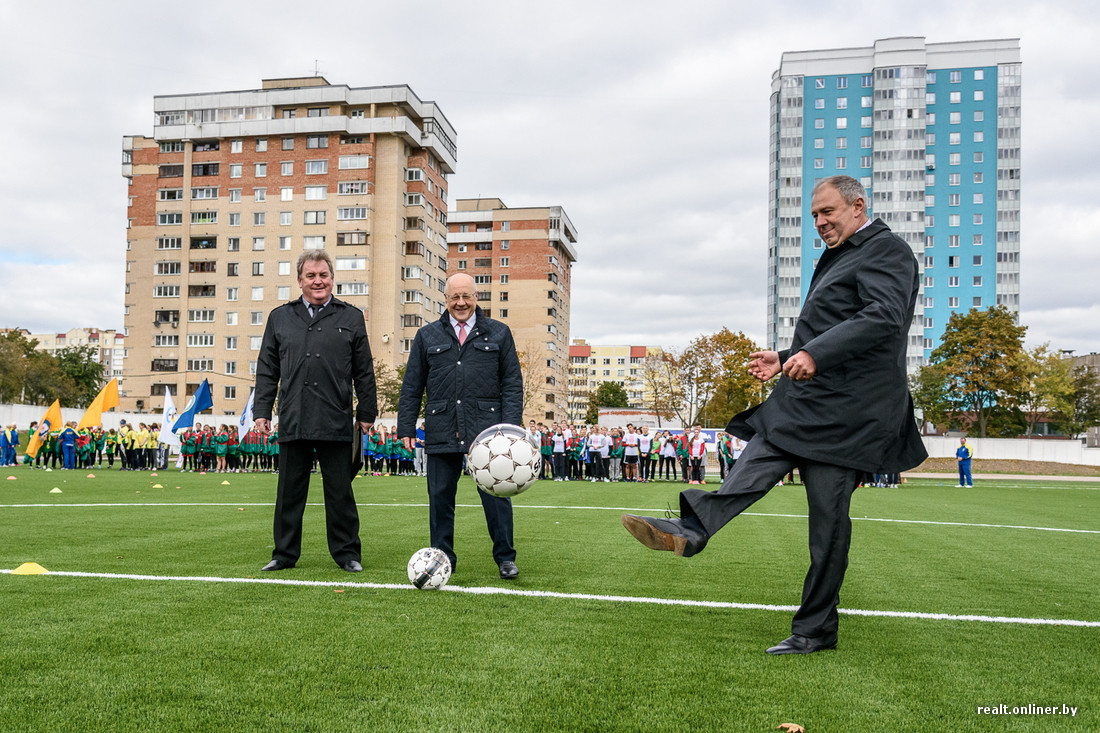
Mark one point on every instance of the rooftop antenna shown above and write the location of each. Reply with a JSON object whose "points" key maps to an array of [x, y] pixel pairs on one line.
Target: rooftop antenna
{"points": [[316, 67]]}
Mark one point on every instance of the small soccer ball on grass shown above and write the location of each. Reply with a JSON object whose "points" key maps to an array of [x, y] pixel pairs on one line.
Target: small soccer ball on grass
{"points": [[429, 568], [503, 460]]}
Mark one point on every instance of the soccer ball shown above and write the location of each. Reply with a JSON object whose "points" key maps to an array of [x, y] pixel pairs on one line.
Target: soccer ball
{"points": [[429, 569], [503, 460]]}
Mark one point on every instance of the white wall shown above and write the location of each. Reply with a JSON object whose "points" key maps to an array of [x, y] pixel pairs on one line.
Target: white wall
{"points": [[1053, 451]]}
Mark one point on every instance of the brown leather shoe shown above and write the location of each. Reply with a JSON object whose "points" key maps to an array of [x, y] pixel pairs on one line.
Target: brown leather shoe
{"points": [[672, 535]]}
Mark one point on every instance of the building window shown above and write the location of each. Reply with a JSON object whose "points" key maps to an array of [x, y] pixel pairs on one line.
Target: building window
{"points": [[258, 293], [256, 318], [234, 219], [261, 145], [257, 268], [351, 263], [315, 217], [231, 318], [257, 244], [316, 193], [316, 141], [283, 292], [350, 238], [259, 218], [169, 218], [261, 170], [351, 288], [230, 343], [351, 213], [285, 218], [316, 167], [354, 162], [346, 188]]}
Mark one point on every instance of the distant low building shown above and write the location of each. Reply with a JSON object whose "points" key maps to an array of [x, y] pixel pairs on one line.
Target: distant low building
{"points": [[110, 346], [590, 365]]}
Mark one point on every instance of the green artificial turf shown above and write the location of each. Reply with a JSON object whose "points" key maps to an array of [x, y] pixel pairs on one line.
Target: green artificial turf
{"points": [[114, 654]]}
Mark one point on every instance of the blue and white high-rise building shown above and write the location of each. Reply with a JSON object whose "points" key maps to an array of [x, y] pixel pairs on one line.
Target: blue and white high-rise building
{"points": [[932, 130]]}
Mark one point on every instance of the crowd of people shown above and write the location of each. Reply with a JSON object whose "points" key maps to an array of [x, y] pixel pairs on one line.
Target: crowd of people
{"points": [[631, 454], [137, 447]]}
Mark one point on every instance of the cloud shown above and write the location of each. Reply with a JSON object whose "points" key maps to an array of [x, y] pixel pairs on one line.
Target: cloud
{"points": [[647, 122]]}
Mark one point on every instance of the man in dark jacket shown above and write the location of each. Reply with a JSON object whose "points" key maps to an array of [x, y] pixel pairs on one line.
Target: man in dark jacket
{"points": [[314, 351], [467, 362], [841, 407]]}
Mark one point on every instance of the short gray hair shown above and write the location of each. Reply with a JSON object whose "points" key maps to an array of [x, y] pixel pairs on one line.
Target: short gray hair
{"points": [[849, 188], [315, 255]]}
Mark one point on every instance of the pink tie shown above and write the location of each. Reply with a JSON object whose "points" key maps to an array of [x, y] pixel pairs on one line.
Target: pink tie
{"points": [[461, 333]]}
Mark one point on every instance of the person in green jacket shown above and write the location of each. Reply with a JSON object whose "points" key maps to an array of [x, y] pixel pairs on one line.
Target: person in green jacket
{"points": [[221, 448]]}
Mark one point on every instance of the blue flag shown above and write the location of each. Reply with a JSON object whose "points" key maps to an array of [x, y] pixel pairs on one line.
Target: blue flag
{"points": [[199, 401], [245, 423]]}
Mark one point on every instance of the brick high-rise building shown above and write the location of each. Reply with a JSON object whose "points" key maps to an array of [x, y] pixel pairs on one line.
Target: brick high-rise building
{"points": [[233, 186], [932, 130], [521, 261]]}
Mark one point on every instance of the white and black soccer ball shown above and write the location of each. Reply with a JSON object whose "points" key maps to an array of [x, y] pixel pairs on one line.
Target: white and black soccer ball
{"points": [[429, 568], [503, 460]]}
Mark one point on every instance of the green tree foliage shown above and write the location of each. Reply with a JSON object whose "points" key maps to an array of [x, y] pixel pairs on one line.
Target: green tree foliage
{"points": [[32, 377], [980, 361], [1049, 387], [608, 394], [1084, 409], [734, 389], [929, 389], [81, 365]]}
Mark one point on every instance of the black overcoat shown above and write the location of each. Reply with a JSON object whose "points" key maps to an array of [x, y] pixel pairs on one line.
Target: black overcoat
{"points": [[856, 412], [470, 387], [314, 363]]}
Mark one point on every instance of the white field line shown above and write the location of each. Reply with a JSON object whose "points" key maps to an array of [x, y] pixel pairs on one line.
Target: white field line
{"points": [[631, 510], [487, 590]]}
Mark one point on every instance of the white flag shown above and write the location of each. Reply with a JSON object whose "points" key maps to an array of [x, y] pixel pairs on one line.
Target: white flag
{"points": [[245, 423], [166, 435]]}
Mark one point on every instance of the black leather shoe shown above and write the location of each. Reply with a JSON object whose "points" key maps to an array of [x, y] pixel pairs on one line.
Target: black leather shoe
{"points": [[278, 565], [674, 535], [352, 566], [798, 644], [508, 570]]}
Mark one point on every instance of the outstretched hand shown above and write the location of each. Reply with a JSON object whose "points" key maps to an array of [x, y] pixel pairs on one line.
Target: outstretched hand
{"points": [[764, 364]]}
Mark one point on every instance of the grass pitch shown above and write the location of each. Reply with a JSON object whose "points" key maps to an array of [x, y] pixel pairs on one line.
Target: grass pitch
{"points": [[170, 648]]}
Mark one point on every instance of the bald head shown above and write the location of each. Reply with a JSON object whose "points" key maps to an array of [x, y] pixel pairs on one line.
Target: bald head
{"points": [[461, 296]]}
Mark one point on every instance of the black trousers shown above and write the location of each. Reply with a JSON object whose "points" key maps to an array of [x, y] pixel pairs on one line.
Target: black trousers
{"points": [[828, 493], [341, 514], [444, 470]]}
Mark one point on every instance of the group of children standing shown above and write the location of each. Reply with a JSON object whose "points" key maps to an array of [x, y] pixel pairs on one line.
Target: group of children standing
{"points": [[384, 454], [202, 448], [597, 453]]}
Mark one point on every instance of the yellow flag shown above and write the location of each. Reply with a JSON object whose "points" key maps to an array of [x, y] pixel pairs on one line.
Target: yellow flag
{"points": [[50, 421], [105, 400]]}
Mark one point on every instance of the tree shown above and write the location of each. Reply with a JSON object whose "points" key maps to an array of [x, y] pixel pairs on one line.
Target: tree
{"points": [[929, 389], [733, 389], [387, 382], [608, 394], [663, 393], [1049, 387], [980, 362], [13, 365], [1084, 409], [81, 365], [532, 368]]}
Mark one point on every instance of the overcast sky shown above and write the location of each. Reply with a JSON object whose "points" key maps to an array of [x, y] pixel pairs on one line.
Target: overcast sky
{"points": [[646, 121]]}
